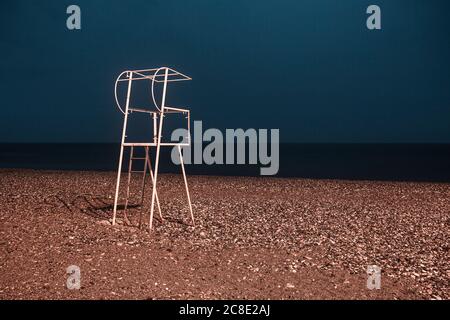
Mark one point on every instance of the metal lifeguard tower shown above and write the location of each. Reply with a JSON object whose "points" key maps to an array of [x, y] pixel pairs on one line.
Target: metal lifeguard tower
{"points": [[157, 112]]}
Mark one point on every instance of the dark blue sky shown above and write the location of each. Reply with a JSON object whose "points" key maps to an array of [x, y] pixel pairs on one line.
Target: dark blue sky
{"points": [[310, 68]]}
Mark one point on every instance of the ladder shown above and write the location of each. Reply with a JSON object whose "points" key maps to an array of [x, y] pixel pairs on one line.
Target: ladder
{"points": [[147, 165]]}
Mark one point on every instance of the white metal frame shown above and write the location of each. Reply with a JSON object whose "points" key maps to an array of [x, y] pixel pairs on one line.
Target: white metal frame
{"points": [[157, 75]]}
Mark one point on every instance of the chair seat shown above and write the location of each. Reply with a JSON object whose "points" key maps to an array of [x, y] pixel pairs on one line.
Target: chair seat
{"points": [[166, 110]]}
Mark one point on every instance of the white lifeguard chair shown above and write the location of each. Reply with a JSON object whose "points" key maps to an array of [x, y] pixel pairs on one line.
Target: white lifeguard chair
{"points": [[157, 112]]}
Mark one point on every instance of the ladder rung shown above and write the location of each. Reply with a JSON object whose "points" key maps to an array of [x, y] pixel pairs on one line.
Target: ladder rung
{"points": [[138, 158], [133, 171]]}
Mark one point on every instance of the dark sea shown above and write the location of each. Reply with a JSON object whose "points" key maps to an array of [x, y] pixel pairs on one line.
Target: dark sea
{"points": [[394, 162]]}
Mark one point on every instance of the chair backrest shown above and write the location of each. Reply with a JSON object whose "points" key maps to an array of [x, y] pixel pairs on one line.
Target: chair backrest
{"points": [[156, 75]]}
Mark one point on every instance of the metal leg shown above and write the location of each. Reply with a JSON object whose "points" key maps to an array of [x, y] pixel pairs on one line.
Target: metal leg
{"points": [[157, 198], [143, 186], [158, 147], [155, 125], [130, 167], [124, 130], [185, 183], [149, 165], [116, 197]]}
